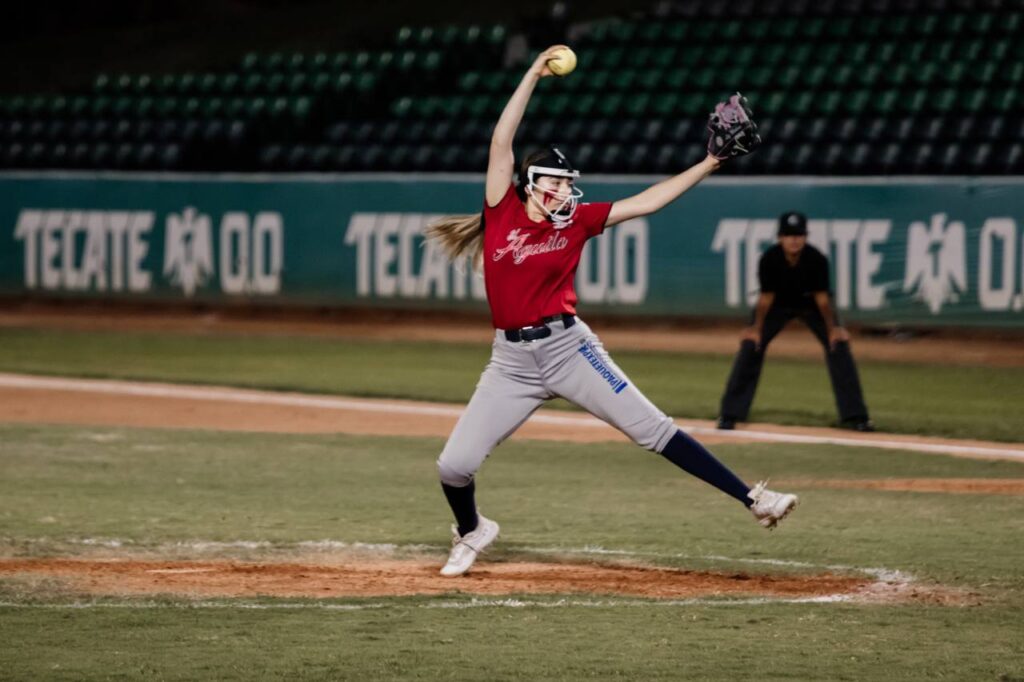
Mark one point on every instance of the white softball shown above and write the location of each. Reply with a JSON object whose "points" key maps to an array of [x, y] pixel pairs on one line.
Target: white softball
{"points": [[563, 63]]}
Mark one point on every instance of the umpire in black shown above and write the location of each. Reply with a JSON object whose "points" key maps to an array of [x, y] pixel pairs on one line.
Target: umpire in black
{"points": [[794, 280]]}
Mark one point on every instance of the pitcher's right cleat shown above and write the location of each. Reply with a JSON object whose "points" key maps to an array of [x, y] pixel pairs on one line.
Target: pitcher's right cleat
{"points": [[466, 548], [769, 506]]}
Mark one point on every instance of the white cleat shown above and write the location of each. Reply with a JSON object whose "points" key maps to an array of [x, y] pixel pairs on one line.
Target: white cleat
{"points": [[769, 506], [466, 548]]}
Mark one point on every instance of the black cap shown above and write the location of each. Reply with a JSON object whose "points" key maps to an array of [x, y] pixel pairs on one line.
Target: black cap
{"points": [[792, 224]]}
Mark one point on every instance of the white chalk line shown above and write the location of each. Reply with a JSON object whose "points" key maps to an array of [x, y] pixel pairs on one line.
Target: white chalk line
{"points": [[467, 604], [220, 394]]}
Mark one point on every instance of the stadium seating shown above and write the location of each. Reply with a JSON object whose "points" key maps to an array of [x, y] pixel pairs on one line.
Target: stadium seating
{"points": [[838, 87]]}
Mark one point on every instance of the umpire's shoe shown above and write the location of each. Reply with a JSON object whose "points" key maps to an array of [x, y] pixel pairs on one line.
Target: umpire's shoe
{"points": [[769, 506], [465, 548], [862, 425]]}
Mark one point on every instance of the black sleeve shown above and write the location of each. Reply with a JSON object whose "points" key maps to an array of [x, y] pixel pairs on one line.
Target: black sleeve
{"points": [[819, 278], [766, 275]]}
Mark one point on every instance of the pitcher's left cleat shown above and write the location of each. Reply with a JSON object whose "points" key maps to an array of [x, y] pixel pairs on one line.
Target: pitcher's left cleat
{"points": [[465, 548], [769, 506]]}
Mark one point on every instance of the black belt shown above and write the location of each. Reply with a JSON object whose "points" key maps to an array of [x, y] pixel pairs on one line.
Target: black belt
{"points": [[539, 331]]}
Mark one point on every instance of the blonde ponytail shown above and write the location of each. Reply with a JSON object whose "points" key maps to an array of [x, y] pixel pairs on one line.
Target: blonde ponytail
{"points": [[460, 236]]}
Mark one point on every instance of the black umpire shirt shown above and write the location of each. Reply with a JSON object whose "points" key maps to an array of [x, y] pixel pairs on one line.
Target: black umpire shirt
{"points": [[793, 285]]}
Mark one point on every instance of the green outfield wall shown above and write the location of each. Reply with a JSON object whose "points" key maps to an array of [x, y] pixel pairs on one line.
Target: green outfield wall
{"points": [[935, 251]]}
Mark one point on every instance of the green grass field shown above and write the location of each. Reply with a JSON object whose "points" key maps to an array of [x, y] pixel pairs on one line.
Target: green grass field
{"points": [[954, 401], [101, 491], [64, 487]]}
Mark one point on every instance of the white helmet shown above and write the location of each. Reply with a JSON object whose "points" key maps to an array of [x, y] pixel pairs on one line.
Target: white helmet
{"points": [[553, 164]]}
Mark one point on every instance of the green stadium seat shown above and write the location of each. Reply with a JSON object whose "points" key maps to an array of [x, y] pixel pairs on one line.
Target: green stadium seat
{"points": [[250, 61], [897, 74], [191, 107], [103, 84], [318, 62], [868, 27], [971, 50], [773, 54], [402, 108], [943, 101], [982, 23], [676, 32], [973, 101], [844, 75], [868, 75], [829, 53], [228, 84], [339, 61], [1007, 101], [637, 106], [295, 62], [483, 107], [254, 83], [815, 76], [757, 30], [275, 61], [185, 84], [145, 107], [383, 61], [207, 84], [801, 54], [828, 103], [856, 102], [728, 31], [677, 78], [898, 26], [784, 30], [716, 55], [1012, 74], [954, 25], [799, 103], [954, 74], [984, 73], [123, 84], [812, 28], [703, 79], [298, 83], [786, 77], [884, 102], [584, 105], [651, 33], [925, 26], [1011, 23], [771, 103], [78, 106], [611, 58], [913, 102], [57, 106], [623, 32], [620, 81], [471, 36], [213, 107], [274, 84]]}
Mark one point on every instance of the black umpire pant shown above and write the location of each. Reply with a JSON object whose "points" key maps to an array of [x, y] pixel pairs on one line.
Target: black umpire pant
{"points": [[746, 370]]}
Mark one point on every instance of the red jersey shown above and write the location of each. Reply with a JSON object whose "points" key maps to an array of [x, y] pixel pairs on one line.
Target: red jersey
{"points": [[530, 267]]}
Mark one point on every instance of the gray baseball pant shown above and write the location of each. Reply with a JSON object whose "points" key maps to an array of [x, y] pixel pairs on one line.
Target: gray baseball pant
{"points": [[521, 376]]}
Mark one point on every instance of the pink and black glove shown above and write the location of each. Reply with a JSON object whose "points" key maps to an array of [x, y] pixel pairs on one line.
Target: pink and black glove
{"points": [[733, 131]]}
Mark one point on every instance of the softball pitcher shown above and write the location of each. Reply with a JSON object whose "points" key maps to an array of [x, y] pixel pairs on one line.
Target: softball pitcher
{"points": [[529, 239]]}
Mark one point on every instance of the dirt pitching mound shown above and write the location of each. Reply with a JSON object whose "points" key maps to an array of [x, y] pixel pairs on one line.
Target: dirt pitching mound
{"points": [[385, 578]]}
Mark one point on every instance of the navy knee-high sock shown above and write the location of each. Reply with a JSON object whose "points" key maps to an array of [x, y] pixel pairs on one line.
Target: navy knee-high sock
{"points": [[693, 458], [463, 504]]}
